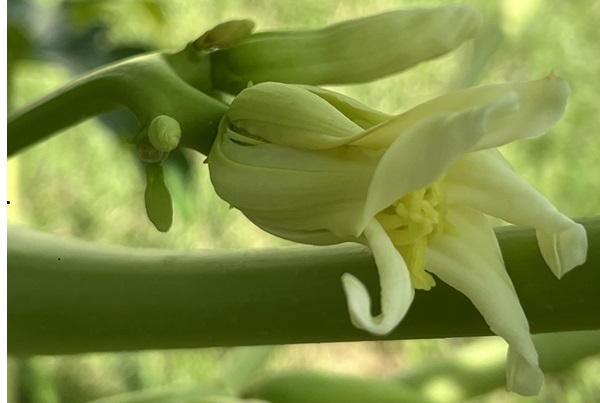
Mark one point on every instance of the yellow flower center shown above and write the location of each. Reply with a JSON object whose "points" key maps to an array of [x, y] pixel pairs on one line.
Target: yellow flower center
{"points": [[411, 223]]}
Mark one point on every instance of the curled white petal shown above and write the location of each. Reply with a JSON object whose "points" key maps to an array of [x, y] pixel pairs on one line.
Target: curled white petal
{"points": [[396, 289]]}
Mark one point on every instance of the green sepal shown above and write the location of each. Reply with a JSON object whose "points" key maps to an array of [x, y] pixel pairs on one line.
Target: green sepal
{"points": [[159, 206]]}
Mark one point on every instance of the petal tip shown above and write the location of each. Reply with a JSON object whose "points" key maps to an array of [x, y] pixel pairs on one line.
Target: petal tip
{"points": [[359, 308], [565, 250], [523, 376]]}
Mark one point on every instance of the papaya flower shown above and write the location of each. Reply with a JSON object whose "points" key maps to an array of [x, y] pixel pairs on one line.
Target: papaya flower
{"points": [[316, 167]]}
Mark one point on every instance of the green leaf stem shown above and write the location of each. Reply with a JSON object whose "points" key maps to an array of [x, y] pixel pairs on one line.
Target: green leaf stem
{"points": [[149, 86]]}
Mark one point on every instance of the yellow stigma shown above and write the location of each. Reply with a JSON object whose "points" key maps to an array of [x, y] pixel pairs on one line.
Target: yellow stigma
{"points": [[411, 223]]}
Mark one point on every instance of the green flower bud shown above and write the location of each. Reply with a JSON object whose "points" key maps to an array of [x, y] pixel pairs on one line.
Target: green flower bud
{"points": [[164, 133], [349, 52]]}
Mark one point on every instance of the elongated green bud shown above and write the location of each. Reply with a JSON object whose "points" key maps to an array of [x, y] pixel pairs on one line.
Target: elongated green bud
{"points": [[349, 52], [159, 206]]}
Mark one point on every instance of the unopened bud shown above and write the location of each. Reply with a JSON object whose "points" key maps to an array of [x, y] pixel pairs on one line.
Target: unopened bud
{"points": [[164, 133], [353, 51]]}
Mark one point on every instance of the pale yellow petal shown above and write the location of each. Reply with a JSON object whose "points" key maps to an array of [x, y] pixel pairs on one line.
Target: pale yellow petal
{"points": [[309, 197], [564, 250], [486, 181], [360, 114], [540, 104], [471, 262], [291, 116], [425, 151]]}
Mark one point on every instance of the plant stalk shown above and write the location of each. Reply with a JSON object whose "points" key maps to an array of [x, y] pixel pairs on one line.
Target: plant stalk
{"points": [[68, 296]]}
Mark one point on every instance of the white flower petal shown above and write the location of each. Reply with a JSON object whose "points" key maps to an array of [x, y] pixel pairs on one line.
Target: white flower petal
{"points": [[360, 114], [521, 376], [397, 292], [486, 181], [421, 154], [540, 104], [289, 115], [471, 262], [294, 193], [565, 250]]}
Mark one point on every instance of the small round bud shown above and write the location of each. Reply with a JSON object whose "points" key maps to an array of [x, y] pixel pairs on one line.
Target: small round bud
{"points": [[164, 133]]}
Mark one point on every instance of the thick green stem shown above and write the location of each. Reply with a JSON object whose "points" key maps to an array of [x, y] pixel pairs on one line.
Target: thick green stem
{"points": [[69, 296], [149, 86]]}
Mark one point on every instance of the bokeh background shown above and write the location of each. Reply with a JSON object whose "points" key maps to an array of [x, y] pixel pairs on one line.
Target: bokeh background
{"points": [[86, 181]]}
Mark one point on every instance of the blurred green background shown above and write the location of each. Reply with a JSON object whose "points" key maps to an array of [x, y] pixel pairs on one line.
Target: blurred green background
{"points": [[86, 181]]}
